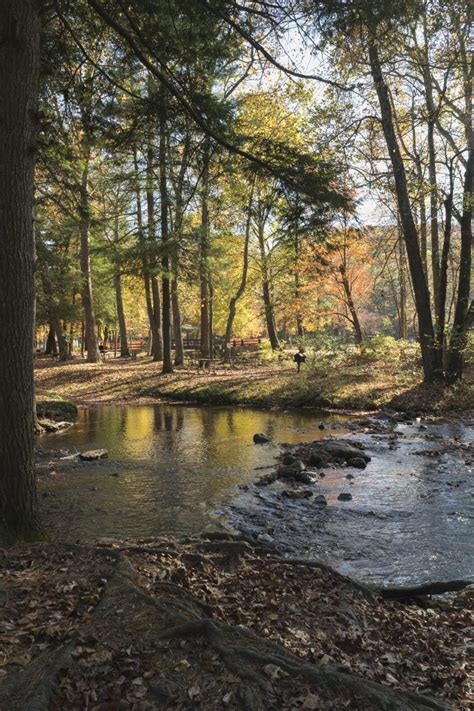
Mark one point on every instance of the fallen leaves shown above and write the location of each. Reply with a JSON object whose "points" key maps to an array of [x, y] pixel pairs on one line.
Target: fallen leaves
{"points": [[51, 599]]}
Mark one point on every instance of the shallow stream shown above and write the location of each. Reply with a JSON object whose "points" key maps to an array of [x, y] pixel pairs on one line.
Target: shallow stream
{"points": [[176, 469]]}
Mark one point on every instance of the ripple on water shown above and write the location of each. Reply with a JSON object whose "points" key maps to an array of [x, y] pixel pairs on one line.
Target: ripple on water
{"points": [[176, 470]]}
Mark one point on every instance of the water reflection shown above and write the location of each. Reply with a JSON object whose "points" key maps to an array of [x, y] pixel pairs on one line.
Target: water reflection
{"points": [[169, 466]]}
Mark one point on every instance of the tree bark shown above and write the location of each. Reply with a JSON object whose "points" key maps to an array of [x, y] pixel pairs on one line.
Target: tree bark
{"points": [[434, 227], [458, 338], [420, 286], [93, 355], [243, 280], [124, 351], [19, 77], [351, 306], [157, 344], [62, 343], [443, 269], [266, 290], [155, 335], [402, 327], [165, 259], [51, 345], [205, 348], [177, 233], [421, 199], [177, 331]]}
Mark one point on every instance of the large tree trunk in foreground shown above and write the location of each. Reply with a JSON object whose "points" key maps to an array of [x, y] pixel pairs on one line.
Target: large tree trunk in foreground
{"points": [[19, 73], [420, 287]]}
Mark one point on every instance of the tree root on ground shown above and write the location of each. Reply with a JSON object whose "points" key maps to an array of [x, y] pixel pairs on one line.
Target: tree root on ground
{"points": [[178, 656], [435, 588]]}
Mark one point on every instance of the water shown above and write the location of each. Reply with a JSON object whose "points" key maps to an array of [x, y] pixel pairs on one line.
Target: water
{"points": [[410, 520], [177, 470], [175, 466]]}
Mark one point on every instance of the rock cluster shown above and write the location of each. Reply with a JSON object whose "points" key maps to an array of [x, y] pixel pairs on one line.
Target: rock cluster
{"points": [[296, 465]]}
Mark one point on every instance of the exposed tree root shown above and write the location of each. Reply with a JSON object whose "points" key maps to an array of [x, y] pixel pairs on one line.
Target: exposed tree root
{"points": [[160, 621], [33, 688], [436, 588]]}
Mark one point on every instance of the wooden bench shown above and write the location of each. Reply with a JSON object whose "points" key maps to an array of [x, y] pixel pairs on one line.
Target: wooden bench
{"points": [[251, 343], [134, 348]]}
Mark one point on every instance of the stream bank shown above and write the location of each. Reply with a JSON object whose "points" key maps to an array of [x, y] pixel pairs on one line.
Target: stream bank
{"points": [[353, 386]]}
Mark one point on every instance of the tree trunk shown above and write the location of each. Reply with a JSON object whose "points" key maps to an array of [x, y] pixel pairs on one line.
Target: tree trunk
{"points": [[421, 200], [211, 319], [51, 345], [155, 335], [205, 348], [157, 345], [458, 338], [434, 227], [299, 317], [443, 270], [420, 286], [71, 329], [19, 73], [177, 229], [351, 306], [267, 297], [165, 259], [177, 332], [402, 326], [62, 343], [243, 280], [124, 351], [93, 355]]}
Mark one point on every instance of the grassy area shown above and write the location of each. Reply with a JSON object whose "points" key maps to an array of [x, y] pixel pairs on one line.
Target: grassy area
{"points": [[54, 406], [348, 381]]}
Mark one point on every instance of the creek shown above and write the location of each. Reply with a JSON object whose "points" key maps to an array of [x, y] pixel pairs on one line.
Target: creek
{"points": [[176, 470]]}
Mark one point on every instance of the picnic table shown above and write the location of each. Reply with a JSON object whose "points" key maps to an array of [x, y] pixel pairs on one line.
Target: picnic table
{"points": [[202, 363]]}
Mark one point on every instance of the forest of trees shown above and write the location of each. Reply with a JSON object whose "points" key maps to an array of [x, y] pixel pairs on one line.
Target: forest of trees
{"points": [[219, 168]]}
